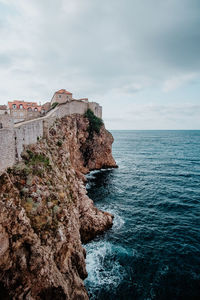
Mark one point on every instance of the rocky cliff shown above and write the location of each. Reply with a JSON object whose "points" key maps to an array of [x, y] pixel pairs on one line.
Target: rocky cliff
{"points": [[45, 213]]}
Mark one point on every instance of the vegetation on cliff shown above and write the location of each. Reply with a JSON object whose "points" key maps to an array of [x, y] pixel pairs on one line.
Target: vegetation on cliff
{"points": [[45, 213], [95, 123], [53, 105]]}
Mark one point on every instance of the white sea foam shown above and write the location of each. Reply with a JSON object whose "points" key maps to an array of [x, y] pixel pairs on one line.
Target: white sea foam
{"points": [[92, 173], [89, 185], [104, 170], [118, 221], [90, 176], [103, 269]]}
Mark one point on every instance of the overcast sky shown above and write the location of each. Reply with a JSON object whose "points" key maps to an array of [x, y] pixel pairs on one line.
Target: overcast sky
{"points": [[140, 59]]}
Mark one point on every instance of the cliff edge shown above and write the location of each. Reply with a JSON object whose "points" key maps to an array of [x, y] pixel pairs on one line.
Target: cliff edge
{"points": [[45, 213]]}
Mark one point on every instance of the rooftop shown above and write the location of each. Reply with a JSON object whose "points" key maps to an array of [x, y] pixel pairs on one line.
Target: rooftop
{"points": [[3, 107], [63, 91], [25, 105]]}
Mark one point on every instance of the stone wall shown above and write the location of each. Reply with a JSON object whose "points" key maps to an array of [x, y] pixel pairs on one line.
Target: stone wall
{"points": [[7, 148], [77, 107], [7, 142], [6, 121], [27, 133], [3, 111], [73, 107], [13, 139], [96, 108]]}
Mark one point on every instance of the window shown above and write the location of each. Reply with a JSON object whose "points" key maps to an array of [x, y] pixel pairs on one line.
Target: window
{"points": [[29, 109], [59, 96], [14, 106], [20, 106], [36, 109], [1, 125]]}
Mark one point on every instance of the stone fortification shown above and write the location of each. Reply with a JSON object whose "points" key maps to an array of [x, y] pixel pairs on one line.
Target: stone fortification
{"points": [[45, 212], [13, 138], [77, 107], [7, 142], [27, 134]]}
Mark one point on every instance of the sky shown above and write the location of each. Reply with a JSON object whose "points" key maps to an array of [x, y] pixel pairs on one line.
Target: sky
{"points": [[140, 59]]}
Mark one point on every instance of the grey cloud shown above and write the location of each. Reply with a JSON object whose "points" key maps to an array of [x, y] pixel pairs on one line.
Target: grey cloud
{"points": [[94, 46], [125, 38], [168, 111], [118, 37]]}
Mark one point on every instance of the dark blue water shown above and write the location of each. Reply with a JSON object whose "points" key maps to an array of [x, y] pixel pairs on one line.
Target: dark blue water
{"points": [[153, 249]]}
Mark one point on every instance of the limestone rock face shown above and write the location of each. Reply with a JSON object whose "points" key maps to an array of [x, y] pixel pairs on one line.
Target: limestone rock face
{"points": [[45, 213]]}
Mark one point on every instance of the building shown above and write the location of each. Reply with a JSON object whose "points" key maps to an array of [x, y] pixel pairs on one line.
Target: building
{"points": [[3, 109], [76, 105], [61, 96], [21, 110], [45, 108]]}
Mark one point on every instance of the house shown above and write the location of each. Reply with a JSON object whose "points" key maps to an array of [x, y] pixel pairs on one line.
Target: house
{"points": [[3, 109], [21, 110], [61, 96], [76, 105]]}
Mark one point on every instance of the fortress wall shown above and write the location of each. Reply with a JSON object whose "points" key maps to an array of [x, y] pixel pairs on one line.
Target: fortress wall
{"points": [[27, 133], [96, 108], [13, 139], [78, 108], [6, 121], [73, 107], [7, 148], [62, 110]]}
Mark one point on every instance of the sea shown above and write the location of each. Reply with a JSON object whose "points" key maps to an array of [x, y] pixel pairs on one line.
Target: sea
{"points": [[153, 249]]}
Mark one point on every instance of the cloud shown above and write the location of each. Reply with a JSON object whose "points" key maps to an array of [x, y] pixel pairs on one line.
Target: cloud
{"points": [[167, 111], [176, 82], [107, 49], [148, 116]]}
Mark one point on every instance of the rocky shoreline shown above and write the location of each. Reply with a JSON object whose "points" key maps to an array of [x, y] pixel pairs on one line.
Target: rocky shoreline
{"points": [[45, 213]]}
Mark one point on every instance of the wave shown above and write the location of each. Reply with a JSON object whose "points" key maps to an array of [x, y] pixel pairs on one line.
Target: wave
{"points": [[97, 257], [152, 251], [103, 266]]}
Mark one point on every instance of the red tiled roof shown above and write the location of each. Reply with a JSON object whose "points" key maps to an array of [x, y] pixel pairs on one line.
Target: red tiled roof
{"points": [[63, 91], [25, 105], [3, 107]]}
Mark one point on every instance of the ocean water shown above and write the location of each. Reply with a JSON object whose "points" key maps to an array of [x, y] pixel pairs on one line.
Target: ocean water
{"points": [[153, 249]]}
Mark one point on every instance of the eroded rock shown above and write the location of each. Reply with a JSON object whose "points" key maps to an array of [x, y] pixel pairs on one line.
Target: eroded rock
{"points": [[45, 213]]}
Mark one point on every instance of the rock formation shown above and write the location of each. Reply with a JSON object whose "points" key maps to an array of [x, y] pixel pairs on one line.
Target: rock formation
{"points": [[45, 213]]}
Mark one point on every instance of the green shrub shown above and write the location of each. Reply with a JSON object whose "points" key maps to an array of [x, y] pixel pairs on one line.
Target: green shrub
{"points": [[21, 169], [9, 170], [95, 123], [54, 105], [36, 159], [59, 143]]}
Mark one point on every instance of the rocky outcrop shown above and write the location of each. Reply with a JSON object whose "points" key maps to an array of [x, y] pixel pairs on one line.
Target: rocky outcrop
{"points": [[45, 213]]}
